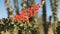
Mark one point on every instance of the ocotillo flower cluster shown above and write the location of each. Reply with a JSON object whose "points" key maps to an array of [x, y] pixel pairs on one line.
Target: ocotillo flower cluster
{"points": [[24, 16]]}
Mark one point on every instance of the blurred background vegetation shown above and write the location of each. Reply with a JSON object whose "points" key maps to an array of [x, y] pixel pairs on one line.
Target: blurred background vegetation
{"points": [[38, 23]]}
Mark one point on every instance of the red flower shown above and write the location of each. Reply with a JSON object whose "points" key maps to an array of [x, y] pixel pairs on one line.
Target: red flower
{"points": [[30, 12], [24, 16], [16, 17], [33, 10]]}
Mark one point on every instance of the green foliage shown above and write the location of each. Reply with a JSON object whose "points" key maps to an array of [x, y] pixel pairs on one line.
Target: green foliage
{"points": [[58, 30]]}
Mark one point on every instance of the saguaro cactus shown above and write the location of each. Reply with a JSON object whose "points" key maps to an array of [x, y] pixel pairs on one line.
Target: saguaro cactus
{"points": [[54, 4]]}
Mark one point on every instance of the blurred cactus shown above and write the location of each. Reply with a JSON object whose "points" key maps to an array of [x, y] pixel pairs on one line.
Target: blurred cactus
{"points": [[16, 6], [44, 20], [35, 21], [9, 9], [25, 6], [10, 17], [54, 5], [17, 12], [45, 24]]}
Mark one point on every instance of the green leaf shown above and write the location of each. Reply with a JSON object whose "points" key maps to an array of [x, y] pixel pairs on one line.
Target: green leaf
{"points": [[29, 25]]}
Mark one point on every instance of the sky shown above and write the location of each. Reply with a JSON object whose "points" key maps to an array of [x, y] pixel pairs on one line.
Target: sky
{"points": [[3, 11]]}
